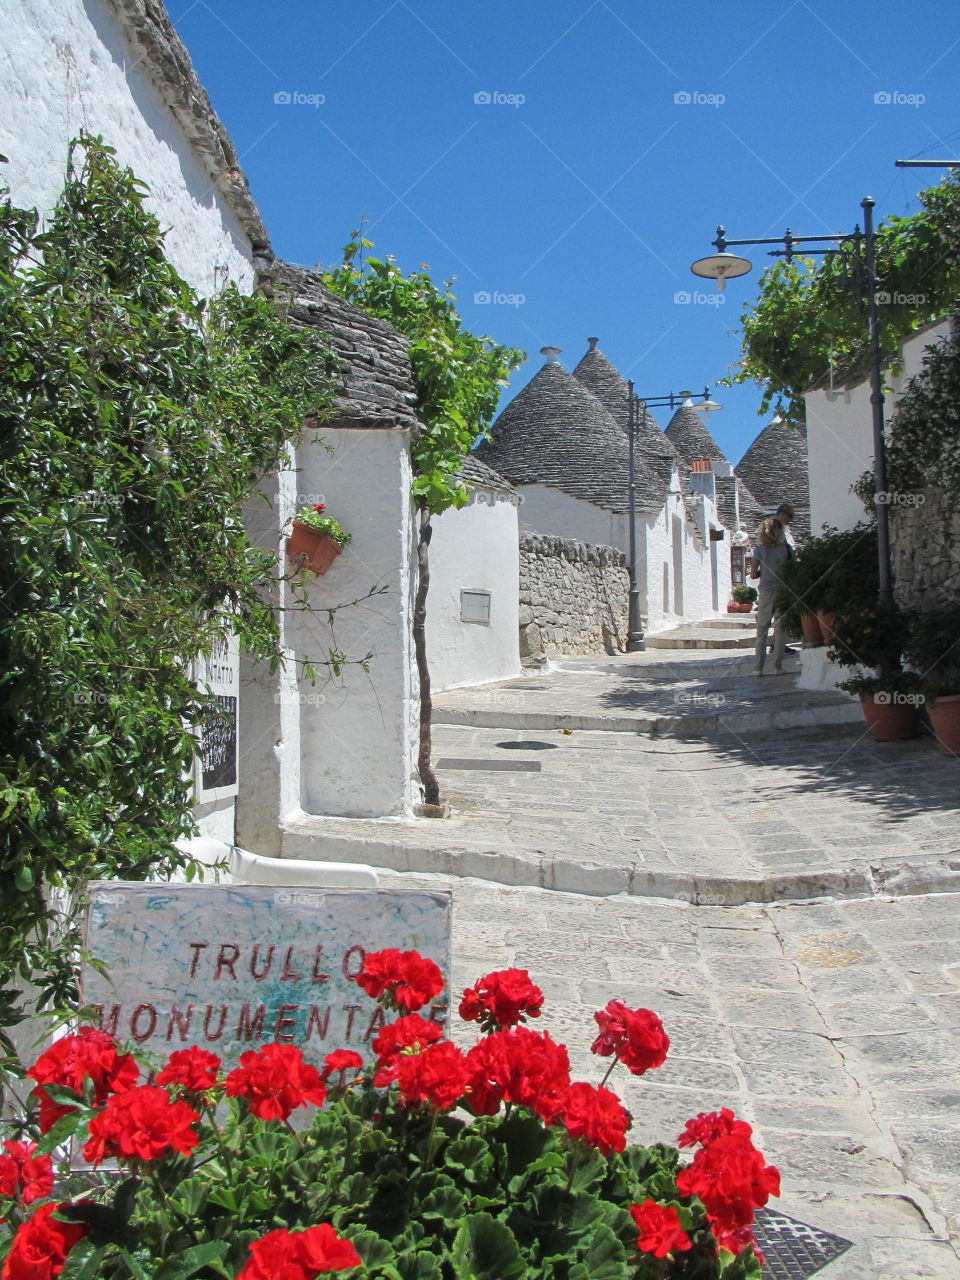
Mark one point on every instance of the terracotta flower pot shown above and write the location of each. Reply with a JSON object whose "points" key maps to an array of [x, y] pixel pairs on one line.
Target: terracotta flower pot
{"points": [[944, 715], [312, 548], [735, 607], [812, 633], [826, 621], [890, 721]]}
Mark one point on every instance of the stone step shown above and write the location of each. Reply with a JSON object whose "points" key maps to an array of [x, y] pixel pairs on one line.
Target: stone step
{"points": [[688, 638]]}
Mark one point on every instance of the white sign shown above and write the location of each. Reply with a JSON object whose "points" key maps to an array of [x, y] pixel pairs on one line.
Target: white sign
{"points": [[218, 676]]}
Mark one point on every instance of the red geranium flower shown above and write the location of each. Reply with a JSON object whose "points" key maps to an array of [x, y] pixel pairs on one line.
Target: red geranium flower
{"points": [[23, 1175], [274, 1080], [409, 1034], [437, 1076], [597, 1116], [299, 1255], [319, 506], [710, 1125], [501, 999], [71, 1062], [518, 1066], [341, 1060], [41, 1245], [405, 979], [660, 1229], [144, 1124], [636, 1036], [731, 1179], [192, 1070]]}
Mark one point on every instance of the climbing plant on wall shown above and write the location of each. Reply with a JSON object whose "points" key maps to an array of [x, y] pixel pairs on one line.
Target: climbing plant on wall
{"points": [[458, 380], [809, 318], [135, 419]]}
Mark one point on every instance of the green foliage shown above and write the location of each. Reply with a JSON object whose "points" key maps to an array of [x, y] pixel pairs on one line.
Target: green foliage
{"points": [[833, 572], [932, 648], [872, 636], [743, 594], [458, 375], [136, 419], [809, 318], [314, 518]]}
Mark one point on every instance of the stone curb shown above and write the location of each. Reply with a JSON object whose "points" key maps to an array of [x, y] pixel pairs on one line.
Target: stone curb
{"points": [[327, 840], [802, 717]]}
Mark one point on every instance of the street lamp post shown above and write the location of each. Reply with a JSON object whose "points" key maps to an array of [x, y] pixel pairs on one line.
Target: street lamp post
{"points": [[723, 266], [635, 640]]}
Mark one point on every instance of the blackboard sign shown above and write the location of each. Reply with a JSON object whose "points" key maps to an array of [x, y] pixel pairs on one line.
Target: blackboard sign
{"points": [[218, 675]]}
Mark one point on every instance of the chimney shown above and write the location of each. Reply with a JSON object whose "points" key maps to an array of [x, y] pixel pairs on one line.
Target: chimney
{"points": [[551, 353], [593, 343]]}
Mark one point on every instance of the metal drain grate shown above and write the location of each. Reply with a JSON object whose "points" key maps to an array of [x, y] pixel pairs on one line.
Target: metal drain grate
{"points": [[494, 766], [793, 1250]]}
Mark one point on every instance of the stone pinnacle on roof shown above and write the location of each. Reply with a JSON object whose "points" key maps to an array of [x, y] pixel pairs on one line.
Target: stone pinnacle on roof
{"points": [[774, 468], [599, 376], [557, 433]]}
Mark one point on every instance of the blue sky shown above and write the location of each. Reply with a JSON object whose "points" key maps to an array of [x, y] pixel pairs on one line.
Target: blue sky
{"points": [[566, 161]]}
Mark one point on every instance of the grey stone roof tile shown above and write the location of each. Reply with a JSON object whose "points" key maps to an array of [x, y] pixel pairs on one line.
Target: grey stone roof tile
{"points": [[687, 431], [775, 469]]}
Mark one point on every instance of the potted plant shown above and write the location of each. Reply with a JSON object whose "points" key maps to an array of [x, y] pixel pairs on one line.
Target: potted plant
{"points": [[932, 649], [871, 638], [744, 598], [316, 539], [831, 573]]}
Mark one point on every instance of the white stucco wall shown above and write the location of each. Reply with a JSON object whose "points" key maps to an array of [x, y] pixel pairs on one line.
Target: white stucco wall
{"points": [[66, 67], [475, 548], [676, 582], [356, 729], [840, 436]]}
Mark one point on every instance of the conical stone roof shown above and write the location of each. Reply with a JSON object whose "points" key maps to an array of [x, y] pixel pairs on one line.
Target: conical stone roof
{"points": [[557, 433], [599, 376], [775, 470], [688, 433]]}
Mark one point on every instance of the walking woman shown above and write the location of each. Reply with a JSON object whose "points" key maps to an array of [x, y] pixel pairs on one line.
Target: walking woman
{"points": [[770, 553]]}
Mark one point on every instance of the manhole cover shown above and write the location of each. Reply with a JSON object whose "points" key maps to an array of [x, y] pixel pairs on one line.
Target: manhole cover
{"points": [[791, 1249], [527, 746], [526, 684], [495, 766]]}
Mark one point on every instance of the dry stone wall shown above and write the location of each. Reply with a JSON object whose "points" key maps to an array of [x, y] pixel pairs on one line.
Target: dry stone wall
{"points": [[573, 598], [924, 546]]}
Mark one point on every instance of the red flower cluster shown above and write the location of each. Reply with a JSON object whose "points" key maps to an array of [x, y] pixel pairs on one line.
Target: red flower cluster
{"points": [[660, 1229], [299, 1255], [192, 1070], [24, 1176], [71, 1062], [410, 1034], [274, 1080], [142, 1123], [501, 999], [405, 979], [710, 1125], [437, 1076], [41, 1245], [596, 1116], [518, 1066], [636, 1036], [319, 506], [340, 1060], [728, 1174]]}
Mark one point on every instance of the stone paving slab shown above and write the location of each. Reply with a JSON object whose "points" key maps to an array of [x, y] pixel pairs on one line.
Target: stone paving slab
{"points": [[863, 1123]]}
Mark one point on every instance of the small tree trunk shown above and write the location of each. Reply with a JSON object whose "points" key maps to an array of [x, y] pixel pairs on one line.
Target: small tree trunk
{"points": [[431, 788]]}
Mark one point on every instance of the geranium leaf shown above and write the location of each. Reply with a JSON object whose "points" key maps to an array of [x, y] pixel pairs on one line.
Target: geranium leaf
{"points": [[485, 1249], [606, 1258], [192, 1261], [373, 1249]]}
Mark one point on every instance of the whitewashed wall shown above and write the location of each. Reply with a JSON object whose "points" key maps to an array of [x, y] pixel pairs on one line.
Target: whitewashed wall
{"points": [[66, 67], [475, 548], [840, 436], [346, 745], [676, 585]]}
